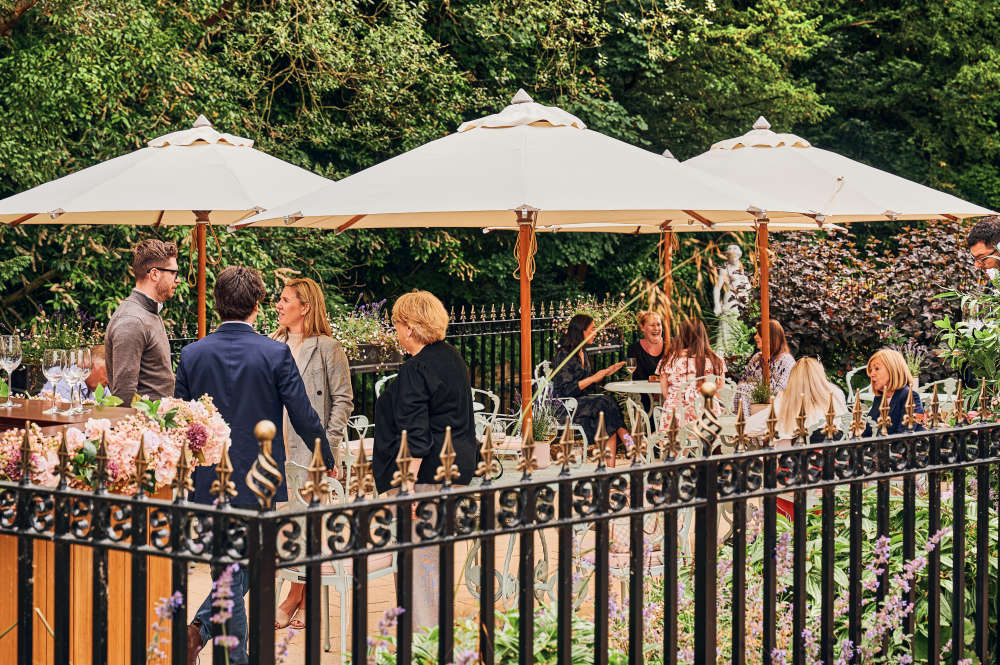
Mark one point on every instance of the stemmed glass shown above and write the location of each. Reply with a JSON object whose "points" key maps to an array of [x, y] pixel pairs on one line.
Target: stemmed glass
{"points": [[53, 366], [630, 366], [10, 359], [78, 366]]}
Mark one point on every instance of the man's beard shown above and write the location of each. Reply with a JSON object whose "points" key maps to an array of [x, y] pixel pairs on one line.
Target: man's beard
{"points": [[164, 291]]}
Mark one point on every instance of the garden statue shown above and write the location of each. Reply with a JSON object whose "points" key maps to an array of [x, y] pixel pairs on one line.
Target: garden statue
{"points": [[732, 289]]}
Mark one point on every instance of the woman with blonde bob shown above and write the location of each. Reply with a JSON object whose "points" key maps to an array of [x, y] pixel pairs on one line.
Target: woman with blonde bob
{"points": [[322, 363], [891, 377], [807, 390], [431, 393]]}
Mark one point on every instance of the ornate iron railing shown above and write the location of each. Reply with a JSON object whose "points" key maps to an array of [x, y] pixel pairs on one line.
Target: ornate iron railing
{"points": [[570, 504]]}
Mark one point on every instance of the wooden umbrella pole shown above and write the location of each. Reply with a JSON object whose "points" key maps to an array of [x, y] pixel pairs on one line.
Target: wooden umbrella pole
{"points": [[668, 282], [765, 300], [525, 219], [201, 231]]}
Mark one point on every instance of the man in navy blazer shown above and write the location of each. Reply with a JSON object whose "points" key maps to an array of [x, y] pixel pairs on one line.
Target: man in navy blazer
{"points": [[250, 378]]}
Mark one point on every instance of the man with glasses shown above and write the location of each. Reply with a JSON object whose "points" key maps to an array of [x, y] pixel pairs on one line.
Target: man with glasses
{"points": [[982, 242], [137, 350]]}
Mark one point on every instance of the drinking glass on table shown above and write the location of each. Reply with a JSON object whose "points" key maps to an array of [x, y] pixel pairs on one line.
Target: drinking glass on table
{"points": [[10, 359], [631, 364], [53, 366], [79, 366]]}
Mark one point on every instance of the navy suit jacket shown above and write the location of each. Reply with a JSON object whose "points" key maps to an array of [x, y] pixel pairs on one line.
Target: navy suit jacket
{"points": [[250, 378]]}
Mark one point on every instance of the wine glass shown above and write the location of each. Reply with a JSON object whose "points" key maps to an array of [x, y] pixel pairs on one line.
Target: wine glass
{"points": [[53, 366], [630, 365], [10, 359], [80, 365]]}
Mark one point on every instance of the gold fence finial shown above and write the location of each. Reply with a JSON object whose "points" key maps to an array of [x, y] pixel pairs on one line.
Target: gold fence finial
{"points": [[222, 487], [883, 413], [63, 455], [316, 487], [830, 429], [264, 477], [403, 477], [707, 428], [959, 411], [772, 425], [565, 444], [638, 442], [489, 466], [527, 463], [182, 479], [25, 461], [983, 402], [673, 448], [600, 443], [935, 419], [857, 422], [741, 442], [141, 466], [448, 471], [101, 472], [909, 417], [362, 480], [801, 436]]}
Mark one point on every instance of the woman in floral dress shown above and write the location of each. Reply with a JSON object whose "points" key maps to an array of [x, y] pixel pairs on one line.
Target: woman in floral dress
{"points": [[690, 356], [781, 364]]}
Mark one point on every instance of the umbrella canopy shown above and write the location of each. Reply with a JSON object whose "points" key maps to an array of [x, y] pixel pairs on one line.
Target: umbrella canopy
{"points": [[196, 176], [194, 169], [824, 184], [527, 156]]}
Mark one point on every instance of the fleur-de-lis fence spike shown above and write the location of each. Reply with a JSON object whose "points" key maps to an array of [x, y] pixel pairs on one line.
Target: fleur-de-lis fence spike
{"points": [[101, 471], [829, 428], [857, 423], [909, 417], [447, 472], [403, 477], [883, 413], [707, 428], [935, 419], [182, 478], [264, 477], [600, 443], [462, 314], [141, 465], [564, 446], [527, 463], [772, 426], [451, 313], [316, 487], [983, 401], [959, 412], [63, 455], [25, 461], [222, 487], [741, 442], [638, 450], [493, 312], [673, 448], [801, 435], [532, 309], [488, 466], [362, 480]]}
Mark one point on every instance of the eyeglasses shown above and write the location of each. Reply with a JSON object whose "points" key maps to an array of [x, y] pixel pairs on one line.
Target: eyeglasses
{"points": [[172, 270]]}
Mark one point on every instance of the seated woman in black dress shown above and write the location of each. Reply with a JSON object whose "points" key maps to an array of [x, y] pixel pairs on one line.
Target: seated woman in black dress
{"points": [[575, 380], [431, 392], [647, 351], [888, 372]]}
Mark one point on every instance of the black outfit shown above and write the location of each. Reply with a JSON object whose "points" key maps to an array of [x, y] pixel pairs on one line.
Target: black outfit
{"points": [[589, 406], [897, 410], [645, 366], [431, 392]]}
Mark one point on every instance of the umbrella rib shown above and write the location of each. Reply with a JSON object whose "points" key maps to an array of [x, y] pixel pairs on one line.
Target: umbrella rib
{"points": [[700, 218], [349, 223], [23, 218]]}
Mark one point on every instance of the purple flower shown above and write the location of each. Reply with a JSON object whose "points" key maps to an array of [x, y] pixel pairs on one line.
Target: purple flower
{"points": [[197, 437], [281, 648]]}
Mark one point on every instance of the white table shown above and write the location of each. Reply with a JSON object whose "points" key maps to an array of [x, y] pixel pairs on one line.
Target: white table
{"points": [[634, 387]]}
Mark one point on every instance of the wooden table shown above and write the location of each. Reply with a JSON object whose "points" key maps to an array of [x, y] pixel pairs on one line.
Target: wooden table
{"points": [[31, 410]]}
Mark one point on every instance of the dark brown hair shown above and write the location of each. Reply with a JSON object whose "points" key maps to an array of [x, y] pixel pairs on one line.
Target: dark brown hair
{"points": [[691, 341], [986, 231], [237, 291], [151, 253], [779, 344]]}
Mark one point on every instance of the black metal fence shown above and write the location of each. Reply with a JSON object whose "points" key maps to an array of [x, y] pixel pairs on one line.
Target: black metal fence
{"points": [[797, 587]]}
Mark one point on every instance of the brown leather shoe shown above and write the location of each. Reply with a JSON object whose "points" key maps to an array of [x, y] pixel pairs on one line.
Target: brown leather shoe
{"points": [[194, 644]]}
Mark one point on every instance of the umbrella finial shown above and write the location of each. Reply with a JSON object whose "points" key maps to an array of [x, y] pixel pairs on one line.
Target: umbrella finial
{"points": [[202, 121], [762, 123], [521, 97]]}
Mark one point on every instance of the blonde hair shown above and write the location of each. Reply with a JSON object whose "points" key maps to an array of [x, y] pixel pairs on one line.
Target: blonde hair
{"points": [[644, 315], [424, 313], [310, 295], [895, 364], [807, 388]]}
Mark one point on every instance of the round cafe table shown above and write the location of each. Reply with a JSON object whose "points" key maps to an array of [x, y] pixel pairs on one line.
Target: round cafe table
{"points": [[634, 387]]}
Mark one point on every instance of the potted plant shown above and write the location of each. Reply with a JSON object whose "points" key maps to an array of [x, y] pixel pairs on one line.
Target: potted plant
{"points": [[366, 335], [544, 427], [760, 397]]}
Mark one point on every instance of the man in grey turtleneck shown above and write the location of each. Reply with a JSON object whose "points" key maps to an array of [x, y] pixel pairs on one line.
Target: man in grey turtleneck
{"points": [[138, 353]]}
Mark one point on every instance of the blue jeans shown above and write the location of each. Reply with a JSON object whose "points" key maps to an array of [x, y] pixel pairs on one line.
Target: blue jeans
{"points": [[238, 622]]}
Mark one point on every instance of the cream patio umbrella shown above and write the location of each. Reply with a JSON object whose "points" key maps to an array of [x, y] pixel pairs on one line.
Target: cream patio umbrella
{"points": [[527, 164], [827, 186], [197, 176]]}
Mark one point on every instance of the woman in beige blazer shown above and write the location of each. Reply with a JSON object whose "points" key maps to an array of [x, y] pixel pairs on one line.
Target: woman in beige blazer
{"points": [[303, 325]]}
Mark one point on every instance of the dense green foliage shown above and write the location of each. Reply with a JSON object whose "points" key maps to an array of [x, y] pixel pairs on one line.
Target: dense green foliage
{"points": [[338, 86]]}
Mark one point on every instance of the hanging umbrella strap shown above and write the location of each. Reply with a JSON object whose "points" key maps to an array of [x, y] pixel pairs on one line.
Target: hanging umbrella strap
{"points": [[218, 247], [529, 264]]}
